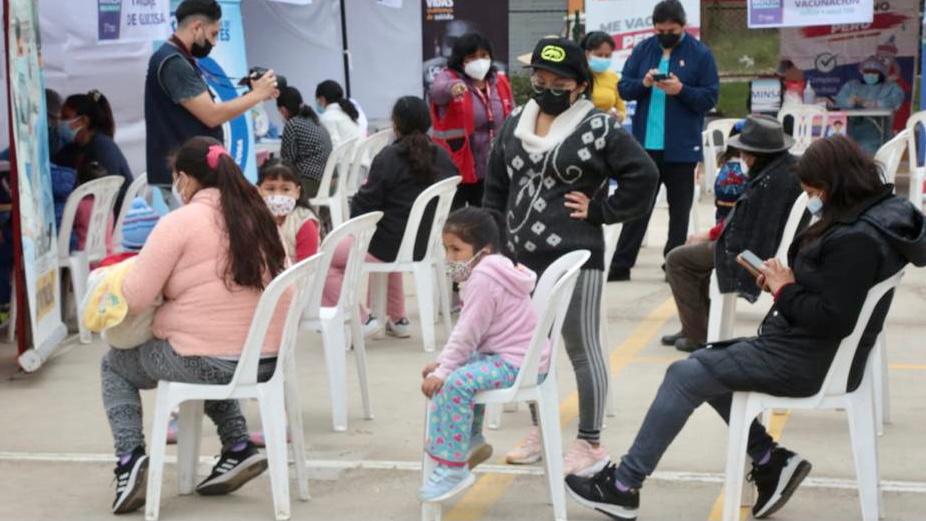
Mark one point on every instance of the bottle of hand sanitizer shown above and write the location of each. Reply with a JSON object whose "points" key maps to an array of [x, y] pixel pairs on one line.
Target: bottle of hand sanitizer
{"points": [[809, 95]]}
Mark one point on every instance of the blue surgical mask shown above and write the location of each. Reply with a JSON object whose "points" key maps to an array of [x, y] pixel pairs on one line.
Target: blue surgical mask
{"points": [[871, 78], [65, 132], [598, 64], [815, 206]]}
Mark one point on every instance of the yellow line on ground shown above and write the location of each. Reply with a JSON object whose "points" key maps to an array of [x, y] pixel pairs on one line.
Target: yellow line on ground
{"points": [[492, 487], [909, 367]]}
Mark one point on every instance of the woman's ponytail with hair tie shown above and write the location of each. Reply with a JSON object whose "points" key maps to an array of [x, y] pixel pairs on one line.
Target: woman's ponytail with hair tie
{"points": [[214, 154]]}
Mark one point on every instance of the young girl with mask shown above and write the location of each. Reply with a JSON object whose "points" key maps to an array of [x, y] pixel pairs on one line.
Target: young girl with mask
{"points": [[599, 46], [484, 351], [298, 224], [548, 173]]}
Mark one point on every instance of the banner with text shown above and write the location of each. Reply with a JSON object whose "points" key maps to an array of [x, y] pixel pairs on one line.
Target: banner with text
{"points": [[443, 21], [830, 55], [132, 20], [33, 200], [803, 13]]}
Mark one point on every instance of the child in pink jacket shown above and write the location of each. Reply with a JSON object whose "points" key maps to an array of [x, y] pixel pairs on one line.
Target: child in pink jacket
{"points": [[484, 351]]}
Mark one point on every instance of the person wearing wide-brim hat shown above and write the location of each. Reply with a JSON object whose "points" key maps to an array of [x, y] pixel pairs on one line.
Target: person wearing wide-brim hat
{"points": [[875, 91], [755, 223], [546, 171]]}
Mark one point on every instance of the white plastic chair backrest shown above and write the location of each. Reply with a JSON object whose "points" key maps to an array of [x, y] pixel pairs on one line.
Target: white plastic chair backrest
{"points": [[363, 158], [718, 131], [138, 188], [361, 230], [838, 375], [443, 192], [790, 231], [890, 154], [339, 157], [916, 125], [710, 152], [104, 192], [551, 302], [804, 116], [297, 284]]}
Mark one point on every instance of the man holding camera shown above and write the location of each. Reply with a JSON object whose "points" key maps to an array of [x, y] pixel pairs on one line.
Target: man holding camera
{"points": [[178, 102]]}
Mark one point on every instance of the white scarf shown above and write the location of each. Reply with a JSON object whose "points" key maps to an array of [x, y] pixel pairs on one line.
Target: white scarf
{"points": [[562, 127]]}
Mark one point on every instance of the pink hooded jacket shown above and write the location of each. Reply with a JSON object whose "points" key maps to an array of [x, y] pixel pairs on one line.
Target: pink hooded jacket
{"points": [[497, 317]]}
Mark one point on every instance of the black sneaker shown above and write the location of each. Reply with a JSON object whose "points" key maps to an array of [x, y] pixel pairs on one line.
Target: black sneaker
{"points": [[600, 492], [131, 483], [670, 340], [777, 480], [233, 470], [687, 346]]}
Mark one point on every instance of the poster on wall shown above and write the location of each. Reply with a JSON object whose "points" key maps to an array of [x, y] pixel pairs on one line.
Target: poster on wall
{"points": [[132, 20], [33, 197], [830, 55], [800, 13], [222, 68], [443, 21], [630, 22]]}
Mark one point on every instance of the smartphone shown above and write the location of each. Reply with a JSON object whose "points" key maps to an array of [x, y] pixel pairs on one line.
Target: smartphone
{"points": [[750, 261], [660, 77]]}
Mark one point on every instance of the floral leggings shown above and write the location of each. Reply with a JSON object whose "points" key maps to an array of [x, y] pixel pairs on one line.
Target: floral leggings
{"points": [[454, 417]]}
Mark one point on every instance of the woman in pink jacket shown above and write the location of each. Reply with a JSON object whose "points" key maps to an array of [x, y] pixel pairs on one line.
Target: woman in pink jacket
{"points": [[210, 259], [484, 351]]}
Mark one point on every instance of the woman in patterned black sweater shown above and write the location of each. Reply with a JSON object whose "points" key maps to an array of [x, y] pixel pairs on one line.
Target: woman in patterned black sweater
{"points": [[306, 144], [548, 173]]}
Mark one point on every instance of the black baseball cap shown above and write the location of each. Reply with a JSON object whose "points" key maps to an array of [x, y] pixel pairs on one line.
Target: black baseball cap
{"points": [[208, 8], [562, 57]]}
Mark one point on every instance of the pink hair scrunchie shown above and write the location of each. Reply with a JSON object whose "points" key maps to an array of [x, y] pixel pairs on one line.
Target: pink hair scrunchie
{"points": [[213, 155]]}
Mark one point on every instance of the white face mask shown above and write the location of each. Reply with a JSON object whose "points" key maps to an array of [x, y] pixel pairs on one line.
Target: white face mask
{"points": [[743, 166], [280, 205], [178, 197], [815, 206], [459, 271], [477, 69]]}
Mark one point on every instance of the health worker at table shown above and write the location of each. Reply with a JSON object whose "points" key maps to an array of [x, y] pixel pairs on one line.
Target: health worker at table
{"points": [[874, 91]]}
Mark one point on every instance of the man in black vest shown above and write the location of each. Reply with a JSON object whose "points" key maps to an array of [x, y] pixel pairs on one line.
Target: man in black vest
{"points": [[178, 102]]}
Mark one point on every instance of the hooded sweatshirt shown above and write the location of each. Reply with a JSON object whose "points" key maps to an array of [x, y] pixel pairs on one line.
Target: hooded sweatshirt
{"points": [[497, 317]]}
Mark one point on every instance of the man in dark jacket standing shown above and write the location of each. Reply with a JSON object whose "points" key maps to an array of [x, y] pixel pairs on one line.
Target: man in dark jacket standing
{"points": [[673, 78]]}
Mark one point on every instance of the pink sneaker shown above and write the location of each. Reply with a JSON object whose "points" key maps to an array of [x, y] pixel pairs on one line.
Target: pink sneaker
{"points": [[528, 451], [584, 460]]}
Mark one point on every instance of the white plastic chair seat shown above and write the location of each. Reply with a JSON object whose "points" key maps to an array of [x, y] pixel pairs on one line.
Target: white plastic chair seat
{"points": [[278, 398], [858, 404], [551, 301]]}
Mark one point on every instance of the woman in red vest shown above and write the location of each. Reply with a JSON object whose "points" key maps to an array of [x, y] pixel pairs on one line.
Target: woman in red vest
{"points": [[470, 100]]}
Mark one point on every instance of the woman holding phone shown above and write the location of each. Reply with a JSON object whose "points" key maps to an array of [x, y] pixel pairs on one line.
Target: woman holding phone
{"points": [[861, 235]]}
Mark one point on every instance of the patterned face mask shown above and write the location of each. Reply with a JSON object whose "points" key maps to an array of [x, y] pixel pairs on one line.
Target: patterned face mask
{"points": [[459, 271], [280, 205]]}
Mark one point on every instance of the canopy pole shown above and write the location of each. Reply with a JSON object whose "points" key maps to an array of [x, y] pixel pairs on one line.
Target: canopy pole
{"points": [[345, 49]]}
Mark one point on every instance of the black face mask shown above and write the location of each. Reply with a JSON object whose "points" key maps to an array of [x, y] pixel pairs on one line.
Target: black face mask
{"points": [[552, 104], [668, 40], [201, 50]]}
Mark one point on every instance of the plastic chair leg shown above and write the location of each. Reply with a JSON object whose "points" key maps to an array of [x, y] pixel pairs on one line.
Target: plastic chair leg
{"points": [[378, 288], [882, 385], [296, 429], [273, 421], [865, 451], [494, 416], [737, 439], [158, 447], [188, 442], [360, 354], [336, 362], [424, 289], [548, 407], [80, 270]]}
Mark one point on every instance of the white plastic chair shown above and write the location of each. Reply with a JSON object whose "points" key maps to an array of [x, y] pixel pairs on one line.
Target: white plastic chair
{"points": [[138, 188], [890, 154], [804, 117], [104, 192], [916, 195], [833, 395], [341, 323], [278, 398], [329, 189], [714, 138], [551, 302], [429, 272], [364, 153]]}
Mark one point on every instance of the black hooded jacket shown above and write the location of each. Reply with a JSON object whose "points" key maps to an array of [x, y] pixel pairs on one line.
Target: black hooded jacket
{"points": [[800, 335]]}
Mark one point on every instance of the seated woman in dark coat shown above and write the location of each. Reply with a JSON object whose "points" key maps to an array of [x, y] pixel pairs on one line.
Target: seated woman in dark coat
{"points": [[861, 234]]}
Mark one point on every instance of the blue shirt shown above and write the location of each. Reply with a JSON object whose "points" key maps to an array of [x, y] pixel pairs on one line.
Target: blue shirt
{"points": [[656, 121]]}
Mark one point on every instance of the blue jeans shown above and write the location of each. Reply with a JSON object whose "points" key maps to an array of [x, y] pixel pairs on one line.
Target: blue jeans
{"points": [[686, 386]]}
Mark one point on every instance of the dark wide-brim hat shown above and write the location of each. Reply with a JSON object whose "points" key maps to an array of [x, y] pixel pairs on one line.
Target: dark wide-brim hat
{"points": [[762, 135]]}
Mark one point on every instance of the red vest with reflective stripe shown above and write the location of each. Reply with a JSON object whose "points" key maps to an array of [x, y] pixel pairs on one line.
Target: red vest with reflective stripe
{"points": [[458, 124]]}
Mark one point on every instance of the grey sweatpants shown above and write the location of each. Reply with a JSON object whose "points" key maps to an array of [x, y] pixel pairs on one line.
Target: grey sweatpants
{"points": [[125, 371]]}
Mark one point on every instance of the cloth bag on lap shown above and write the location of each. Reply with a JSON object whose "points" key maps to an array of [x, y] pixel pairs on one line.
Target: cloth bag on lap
{"points": [[106, 311]]}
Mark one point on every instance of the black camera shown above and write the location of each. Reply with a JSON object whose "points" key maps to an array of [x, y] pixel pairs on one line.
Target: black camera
{"points": [[257, 73]]}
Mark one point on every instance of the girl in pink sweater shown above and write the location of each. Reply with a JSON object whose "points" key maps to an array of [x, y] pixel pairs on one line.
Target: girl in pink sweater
{"points": [[484, 351], [210, 259]]}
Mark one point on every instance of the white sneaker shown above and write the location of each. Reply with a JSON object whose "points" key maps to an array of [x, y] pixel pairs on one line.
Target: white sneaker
{"points": [[528, 451], [400, 328], [371, 327], [584, 460]]}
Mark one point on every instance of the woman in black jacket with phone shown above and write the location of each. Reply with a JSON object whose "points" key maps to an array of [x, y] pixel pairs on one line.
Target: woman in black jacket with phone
{"points": [[861, 234]]}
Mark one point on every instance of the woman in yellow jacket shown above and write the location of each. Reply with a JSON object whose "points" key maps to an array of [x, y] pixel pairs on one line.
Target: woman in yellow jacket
{"points": [[599, 46]]}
